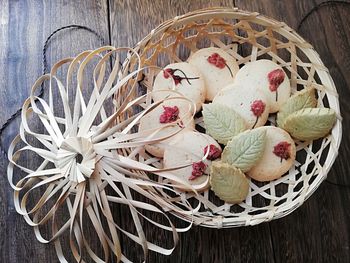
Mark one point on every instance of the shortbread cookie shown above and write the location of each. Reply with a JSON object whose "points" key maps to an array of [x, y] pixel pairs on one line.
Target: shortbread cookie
{"points": [[217, 67], [278, 156], [245, 149], [267, 76], [250, 104], [310, 123], [182, 77], [228, 182], [167, 112], [221, 122], [190, 147], [305, 98]]}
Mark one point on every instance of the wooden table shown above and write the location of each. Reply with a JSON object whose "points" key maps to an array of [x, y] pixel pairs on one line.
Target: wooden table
{"points": [[319, 231]]}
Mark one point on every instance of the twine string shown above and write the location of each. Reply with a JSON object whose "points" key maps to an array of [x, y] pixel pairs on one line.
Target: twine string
{"points": [[317, 7], [44, 70]]}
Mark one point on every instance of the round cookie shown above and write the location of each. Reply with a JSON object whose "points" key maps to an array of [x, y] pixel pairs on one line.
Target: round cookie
{"points": [[250, 104], [189, 147], [278, 157], [217, 67], [267, 76], [228, 182], [162, 115], [186, 79]]}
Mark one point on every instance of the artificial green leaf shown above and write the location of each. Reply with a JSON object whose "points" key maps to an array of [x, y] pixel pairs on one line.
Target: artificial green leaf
{"points": [[228, 182], [222, 122], [310, 123], [302, 99], [245, 149]]}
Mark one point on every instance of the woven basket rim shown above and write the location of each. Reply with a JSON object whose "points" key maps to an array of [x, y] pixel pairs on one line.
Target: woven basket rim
{"points": [[326, 79]]}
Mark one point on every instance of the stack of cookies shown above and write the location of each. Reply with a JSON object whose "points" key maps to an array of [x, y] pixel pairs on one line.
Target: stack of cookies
{"points": [[236, 104]]}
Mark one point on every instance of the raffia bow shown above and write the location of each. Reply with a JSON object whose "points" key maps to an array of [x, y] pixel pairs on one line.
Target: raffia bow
{"points": [[86, 151]]}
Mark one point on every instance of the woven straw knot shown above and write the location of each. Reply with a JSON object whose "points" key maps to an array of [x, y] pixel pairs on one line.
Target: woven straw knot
{"points": [[218, 221], [76, 159], [270, 214]]}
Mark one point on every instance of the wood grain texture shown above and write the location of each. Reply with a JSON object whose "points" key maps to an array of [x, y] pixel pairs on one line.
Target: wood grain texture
{"points": [[333, 47], [24, 26], [319, 231]]}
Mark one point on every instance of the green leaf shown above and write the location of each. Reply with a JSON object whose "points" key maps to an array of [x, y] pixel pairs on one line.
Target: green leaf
{"points": [[222, 122], [228, 182], [245, 149], [310, 123], [302, 99]]}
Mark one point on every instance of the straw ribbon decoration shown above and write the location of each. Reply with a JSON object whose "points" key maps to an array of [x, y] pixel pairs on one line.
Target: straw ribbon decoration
{"points": [[86, 152]]}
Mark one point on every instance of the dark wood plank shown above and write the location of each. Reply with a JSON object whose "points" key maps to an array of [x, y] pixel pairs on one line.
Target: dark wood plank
{"points": [[24, 27], [333, 43], [130, 22], [319, 230], [4, 244], [333, 46]]}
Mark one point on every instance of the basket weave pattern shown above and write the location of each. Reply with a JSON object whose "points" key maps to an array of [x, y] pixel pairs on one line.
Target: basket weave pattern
{"points": [[248, 37]]}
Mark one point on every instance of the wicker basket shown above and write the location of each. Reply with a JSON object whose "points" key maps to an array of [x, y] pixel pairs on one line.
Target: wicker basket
{"points": [[111, 155], [247, 37]]}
